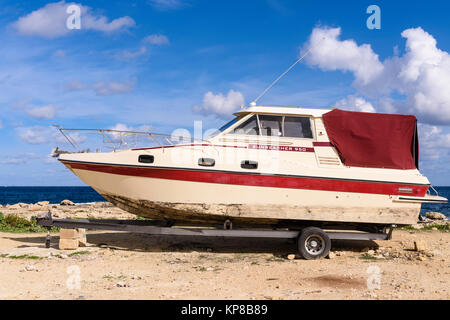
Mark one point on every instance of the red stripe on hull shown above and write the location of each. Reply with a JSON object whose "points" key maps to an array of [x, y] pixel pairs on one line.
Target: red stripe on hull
{"points": [[258, 180]]}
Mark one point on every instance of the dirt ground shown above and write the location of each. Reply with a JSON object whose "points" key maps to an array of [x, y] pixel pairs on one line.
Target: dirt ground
{"points": [[119, 265]]}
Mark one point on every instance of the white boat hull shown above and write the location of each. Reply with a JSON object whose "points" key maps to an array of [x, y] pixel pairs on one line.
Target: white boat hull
{"points": [[168, 199]]}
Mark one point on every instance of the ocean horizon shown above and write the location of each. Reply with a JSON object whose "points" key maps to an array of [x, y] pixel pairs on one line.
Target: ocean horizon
{"points": [[85, 194]]}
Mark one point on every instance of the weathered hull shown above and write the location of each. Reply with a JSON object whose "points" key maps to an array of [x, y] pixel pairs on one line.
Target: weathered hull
{"points": [[171, 199]]}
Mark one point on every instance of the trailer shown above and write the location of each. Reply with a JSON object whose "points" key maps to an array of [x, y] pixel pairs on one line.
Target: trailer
{"points": [[312, 242]]}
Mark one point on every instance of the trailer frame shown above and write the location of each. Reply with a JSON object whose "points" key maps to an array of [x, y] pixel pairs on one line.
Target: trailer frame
{"points": [[156, 227]]}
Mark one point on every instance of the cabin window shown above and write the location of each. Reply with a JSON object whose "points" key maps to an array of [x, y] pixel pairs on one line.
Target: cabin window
{"points": [[249, 127], [297, 127], [145, 158], [271, 125]]}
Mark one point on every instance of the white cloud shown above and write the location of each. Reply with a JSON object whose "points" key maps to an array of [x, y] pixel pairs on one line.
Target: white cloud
{"points": [[75, 86], [124, 127], [166, 4], [50, 21], [42, 135], [130, 140], [132, 55], [44, 112], [421, 76], [335, 54], [156, 39], [354, 103], [35, 134], [103, 88], [433, 142], [113, 87], [21, 158], [220, 105]]}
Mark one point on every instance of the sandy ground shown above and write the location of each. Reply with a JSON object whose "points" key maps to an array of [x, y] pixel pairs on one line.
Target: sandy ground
{"points": [[131, 266], [118, 265]]}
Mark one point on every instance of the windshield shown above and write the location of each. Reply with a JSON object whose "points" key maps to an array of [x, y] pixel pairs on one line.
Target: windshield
{"points": [[228, 124], [223, 128]]}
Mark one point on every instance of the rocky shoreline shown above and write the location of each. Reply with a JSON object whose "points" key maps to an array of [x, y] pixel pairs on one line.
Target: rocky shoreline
{"points": [[67, 209]]}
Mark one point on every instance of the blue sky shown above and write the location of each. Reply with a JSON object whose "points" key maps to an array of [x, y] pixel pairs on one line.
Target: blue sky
{"points": [[152, 63]]}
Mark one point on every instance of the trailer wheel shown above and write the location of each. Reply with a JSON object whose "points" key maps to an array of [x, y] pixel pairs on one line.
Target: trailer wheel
{"points": [[313, 243]]}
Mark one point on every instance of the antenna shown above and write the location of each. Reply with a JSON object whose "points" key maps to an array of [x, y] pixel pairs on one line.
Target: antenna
{"points": [[253, 103]]}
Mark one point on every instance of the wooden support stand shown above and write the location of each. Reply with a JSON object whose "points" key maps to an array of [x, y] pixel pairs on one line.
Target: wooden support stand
{"points": [[71, 239]]}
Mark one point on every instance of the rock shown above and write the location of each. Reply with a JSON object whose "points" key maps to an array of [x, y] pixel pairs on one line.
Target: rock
{"points": [[421, 258], [331, 255], [43, 203], [16, 206], [371, 252], [122, 284], [68, 244], [67, 203], [434, 229], [420, 245], [435, 215], [291, 256], [34, 207], [417, 226], [30, 268]]}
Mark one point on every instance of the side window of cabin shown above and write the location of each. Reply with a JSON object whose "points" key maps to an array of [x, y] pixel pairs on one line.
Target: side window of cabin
{"points": [[249, 127], [271, 125], [297, 127]]}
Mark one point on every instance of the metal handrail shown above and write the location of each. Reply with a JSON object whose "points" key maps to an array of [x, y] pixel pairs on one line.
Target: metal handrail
{"points": [[158, 138], [435, 191]]}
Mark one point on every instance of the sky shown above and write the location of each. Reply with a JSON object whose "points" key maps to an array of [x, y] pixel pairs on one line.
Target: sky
{"points": [[163, 64]]}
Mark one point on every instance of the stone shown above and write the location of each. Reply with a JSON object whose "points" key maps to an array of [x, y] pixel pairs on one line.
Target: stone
{"points": [[331, 255], [421, 258], [420, 245], [43, 203], [291, 256], [435, 215], [34, 207], [14, 206], [82, 241], [30, 268], [417, 226], [121, 284], [68, 244], [67, 203], [68, 234], [371, 252]]}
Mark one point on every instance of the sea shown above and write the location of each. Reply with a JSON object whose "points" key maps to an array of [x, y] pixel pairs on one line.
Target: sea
{"points": [[12, 195]]}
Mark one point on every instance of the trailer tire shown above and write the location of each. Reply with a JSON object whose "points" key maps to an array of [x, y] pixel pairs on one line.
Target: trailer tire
{"points": [[313, 243]]}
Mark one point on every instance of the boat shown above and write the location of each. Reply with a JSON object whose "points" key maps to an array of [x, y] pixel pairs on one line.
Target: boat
{"points": [[270, 166]]}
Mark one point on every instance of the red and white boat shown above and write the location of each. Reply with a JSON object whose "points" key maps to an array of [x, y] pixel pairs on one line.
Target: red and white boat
{"points": [[272, 166]]}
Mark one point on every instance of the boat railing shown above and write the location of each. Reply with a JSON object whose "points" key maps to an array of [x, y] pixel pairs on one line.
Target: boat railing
{"points": [[435, 191], [123, 139]]}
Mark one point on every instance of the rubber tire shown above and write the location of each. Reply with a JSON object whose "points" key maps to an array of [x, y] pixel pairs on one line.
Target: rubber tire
{"points": [[307, 232]]}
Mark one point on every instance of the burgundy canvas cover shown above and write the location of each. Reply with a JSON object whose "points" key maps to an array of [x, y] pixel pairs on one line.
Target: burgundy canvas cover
{"points": [[373, 140]]}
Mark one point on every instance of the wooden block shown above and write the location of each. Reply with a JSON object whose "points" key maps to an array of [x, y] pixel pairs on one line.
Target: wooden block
{"points": [[68, 234], [68, 244], [82, 241]]}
